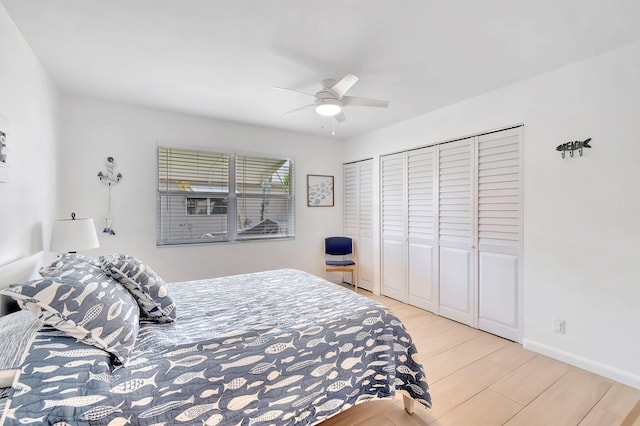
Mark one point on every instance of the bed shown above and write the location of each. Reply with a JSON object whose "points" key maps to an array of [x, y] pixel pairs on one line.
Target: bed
{"points": [[276, 347]]}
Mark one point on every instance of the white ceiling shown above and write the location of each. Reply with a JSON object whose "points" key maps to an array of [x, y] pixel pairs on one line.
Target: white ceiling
{"points": [[220, 58]]}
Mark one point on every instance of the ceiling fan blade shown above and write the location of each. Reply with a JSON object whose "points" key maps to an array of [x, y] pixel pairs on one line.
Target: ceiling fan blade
{"points": [[341, 87], [340, 117], [355, 101], [293, 90], [298, 109]]}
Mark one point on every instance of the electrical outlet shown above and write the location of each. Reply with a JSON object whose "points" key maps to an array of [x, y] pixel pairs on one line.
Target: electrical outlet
{"points": [[559, 325]]}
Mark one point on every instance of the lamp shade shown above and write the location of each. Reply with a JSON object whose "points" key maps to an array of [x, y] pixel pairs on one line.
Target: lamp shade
{"points": [[70, 235]]}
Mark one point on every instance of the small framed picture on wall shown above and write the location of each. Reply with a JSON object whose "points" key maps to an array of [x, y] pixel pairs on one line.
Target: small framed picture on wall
{"points": [[4, 149], [319, 191]]}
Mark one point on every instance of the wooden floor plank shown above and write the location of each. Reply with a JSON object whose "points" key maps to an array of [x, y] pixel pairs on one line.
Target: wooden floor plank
{"points": [[613, 406], [443, 364], [527, 382], [566, 402], [441, 342], [600, 417], [465, 383], [486, 408], [620, 399], [359, 413]]}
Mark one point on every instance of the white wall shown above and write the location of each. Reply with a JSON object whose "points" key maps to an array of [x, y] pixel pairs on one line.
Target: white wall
{"points": [[582, 223], [28, 100], [92, 130]]}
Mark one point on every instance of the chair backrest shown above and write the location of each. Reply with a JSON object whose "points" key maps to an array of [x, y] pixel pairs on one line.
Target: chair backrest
{"points": [[338, 246]]}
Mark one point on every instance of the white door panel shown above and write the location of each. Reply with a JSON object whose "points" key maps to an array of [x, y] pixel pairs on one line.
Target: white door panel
{"points": [[422, 205], [455, 288], [500, 233], [498, 295], [456, 231], [365, 263], [393, 274], [358, 214], [421, 276], [394, 225]]}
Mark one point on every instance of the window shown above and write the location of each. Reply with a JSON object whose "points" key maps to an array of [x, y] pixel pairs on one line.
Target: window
{"points": [[197, 206], [213, 196]]}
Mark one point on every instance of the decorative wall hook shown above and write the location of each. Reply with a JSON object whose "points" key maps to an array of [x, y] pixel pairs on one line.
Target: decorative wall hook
{"points": [[573, 146], [109, 178]]}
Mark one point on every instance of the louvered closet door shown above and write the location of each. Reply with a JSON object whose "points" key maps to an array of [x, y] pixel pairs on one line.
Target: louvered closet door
{"points": [[365, 240], [500, 233], [456, 231], [394, 218], [351, 209], [358, 217], [422, 232]]}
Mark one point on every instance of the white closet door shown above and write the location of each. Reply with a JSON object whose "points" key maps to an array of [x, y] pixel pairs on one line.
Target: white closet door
{"points": [[456, 231], [351, 190], [500, 233], [394, 219], [422, 231], [365, 231], [358, 217]]}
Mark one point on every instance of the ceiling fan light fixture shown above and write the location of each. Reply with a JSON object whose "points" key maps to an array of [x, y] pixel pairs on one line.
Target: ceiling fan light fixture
{"points": [[328, 107]]}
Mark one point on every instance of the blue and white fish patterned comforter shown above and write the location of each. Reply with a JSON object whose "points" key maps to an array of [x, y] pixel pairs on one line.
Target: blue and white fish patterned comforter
{"points": [[278, 347]]}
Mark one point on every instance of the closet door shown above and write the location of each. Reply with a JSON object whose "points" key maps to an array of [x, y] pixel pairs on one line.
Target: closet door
{"points": [[456, 231], [500, 233], [365, 225], [358, 217], [422, 207], [394, 222]]}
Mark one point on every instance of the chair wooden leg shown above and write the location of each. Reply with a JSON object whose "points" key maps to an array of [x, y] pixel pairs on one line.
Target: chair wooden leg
{"points": [[354, 277]]}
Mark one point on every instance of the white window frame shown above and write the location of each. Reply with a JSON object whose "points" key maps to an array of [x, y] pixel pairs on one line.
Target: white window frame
{"points": [[233, 196]]}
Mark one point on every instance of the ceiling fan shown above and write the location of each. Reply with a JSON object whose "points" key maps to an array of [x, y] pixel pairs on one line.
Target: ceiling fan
{"points": [[331, 99]]}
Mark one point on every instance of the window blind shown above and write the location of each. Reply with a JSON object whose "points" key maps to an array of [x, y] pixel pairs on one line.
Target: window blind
{"points": [[214, 196], [264, 201]]}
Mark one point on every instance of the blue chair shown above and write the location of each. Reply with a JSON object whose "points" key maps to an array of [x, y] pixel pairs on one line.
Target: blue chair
{"points": [[340, 256]]}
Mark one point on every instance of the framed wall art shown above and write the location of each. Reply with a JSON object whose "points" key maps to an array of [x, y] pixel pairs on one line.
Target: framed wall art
{"points": [[4, 150], [320, 191]]}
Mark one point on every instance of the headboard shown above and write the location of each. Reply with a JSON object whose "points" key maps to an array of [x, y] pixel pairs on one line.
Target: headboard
{"points": [[21, 270]]}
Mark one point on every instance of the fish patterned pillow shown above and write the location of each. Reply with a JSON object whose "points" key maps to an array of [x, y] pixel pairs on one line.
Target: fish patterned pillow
{"points": [[145, 285], [69, 260], [83, 302]]}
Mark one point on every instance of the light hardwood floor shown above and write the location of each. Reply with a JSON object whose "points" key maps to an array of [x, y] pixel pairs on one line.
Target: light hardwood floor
{"points": [[476, 378]]}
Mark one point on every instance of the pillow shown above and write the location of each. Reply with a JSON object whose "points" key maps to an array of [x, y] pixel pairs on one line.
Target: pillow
{"points": [[68, 260], [146, 286], [17, 330], [85, 303]]}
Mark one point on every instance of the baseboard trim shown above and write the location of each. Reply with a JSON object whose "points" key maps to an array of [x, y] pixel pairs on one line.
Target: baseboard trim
{"points": [[604, 370]]}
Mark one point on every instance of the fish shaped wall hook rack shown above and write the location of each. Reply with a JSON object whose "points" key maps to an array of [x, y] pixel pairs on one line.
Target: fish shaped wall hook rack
{"points": [[573, 146]]}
